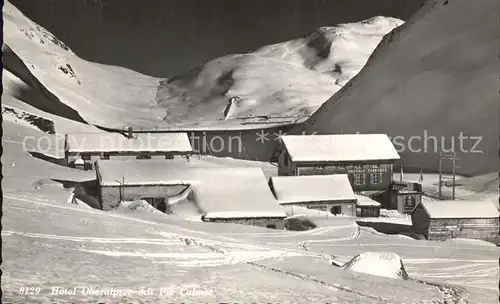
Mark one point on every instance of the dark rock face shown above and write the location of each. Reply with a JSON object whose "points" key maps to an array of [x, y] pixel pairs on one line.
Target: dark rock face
{"points": [[47, 126]]}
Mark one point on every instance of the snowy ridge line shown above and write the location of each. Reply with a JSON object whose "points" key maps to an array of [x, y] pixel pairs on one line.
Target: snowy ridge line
{"points": [[92, 239], [307, 278]]}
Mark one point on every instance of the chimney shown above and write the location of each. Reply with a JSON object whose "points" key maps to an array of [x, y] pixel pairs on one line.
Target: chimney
{"points": [[129, 133]]}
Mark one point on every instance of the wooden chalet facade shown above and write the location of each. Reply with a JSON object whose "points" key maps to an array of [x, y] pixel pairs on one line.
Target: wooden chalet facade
{"points": [[367, 159], [442, 220], [84, 149]]}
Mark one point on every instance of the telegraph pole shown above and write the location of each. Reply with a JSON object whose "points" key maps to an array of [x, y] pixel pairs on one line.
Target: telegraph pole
{"points": [[454, 163], [453, 158], [440, 182]]}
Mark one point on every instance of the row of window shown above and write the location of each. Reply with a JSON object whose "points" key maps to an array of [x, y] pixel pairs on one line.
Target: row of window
{"points": [[107, 155], [375, 178]]}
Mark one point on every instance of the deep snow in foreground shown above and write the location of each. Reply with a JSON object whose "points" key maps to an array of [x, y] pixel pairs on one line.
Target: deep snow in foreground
{"points": [[48, 242]]}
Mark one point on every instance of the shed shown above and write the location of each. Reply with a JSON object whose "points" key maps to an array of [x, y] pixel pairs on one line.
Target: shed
{"points": [[367, 208], [238, 195], [366, 158], [103, 146], [441, 220], [331, 193]]}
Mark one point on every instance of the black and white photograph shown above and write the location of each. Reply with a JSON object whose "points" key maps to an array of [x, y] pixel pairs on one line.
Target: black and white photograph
{"points": [[250, 151]]}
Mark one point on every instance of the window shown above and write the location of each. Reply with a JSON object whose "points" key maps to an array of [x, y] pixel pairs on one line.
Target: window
{"points": [[271, 226], [143, 156], [359, 179], [104, 155], [285, 160], [85, 156], [169, 157], [375, 178], [336, 210]]}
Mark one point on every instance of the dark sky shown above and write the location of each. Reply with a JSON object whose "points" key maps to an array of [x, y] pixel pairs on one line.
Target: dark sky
{"points": [[167, 37]]}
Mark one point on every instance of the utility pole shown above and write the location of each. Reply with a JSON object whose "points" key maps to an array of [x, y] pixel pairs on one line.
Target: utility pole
{"points": [[453, 158], [440, 182], [454, 166]]}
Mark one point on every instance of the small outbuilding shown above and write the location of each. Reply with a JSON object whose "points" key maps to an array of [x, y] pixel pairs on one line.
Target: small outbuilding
{"points": [[332, 193], [83, 149], [442, 220], [367, 208], [403, 197], [367, 159]]}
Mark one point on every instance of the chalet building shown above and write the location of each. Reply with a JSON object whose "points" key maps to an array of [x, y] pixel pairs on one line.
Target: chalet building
{"points": [[367, 159], [442, 220], [226, 195], [332, 193], [83, 149]]}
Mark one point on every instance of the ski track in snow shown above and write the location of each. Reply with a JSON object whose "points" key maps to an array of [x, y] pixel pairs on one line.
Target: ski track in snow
{"points": [[225, 250]]}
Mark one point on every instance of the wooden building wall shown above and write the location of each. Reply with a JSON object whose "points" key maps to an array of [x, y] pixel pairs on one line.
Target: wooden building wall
{"points": [[95, 156], [110, 195], [479, 229], [347, 208], [444, 229], [350, 169], [368, 211]]}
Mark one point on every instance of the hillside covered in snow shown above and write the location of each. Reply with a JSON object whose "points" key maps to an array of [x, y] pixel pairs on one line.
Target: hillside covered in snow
{"points": [[435, 76], [291, 78]]}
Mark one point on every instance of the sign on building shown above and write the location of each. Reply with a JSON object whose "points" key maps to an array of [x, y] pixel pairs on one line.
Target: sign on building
{"points": [[409, 204]]}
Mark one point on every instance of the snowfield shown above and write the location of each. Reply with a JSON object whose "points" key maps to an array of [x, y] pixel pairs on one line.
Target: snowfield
{"points": [[64, 251]]}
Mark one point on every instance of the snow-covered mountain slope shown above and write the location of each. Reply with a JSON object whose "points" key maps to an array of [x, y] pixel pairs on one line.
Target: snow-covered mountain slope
{"points": [[289, 78], [435, 76], [62, 83]]}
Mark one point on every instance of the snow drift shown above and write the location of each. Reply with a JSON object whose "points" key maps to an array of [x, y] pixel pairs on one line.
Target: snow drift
{"points": [[384, 264], [437, 75]]}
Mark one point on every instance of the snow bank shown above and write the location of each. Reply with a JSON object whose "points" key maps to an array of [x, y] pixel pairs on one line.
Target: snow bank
{"points": [[136, 206], [384, 264], [471, 242]]}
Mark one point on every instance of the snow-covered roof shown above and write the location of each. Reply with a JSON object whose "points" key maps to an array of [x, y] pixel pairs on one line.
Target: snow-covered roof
{"points": [[238, 192], [116, 142], [460, 209], [340, 147], [368, 204], [177, 171], [312, 188]]}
